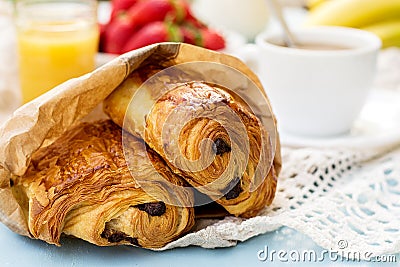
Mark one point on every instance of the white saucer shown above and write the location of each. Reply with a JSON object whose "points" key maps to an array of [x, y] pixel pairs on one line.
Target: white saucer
{"points": [[377, 126]]}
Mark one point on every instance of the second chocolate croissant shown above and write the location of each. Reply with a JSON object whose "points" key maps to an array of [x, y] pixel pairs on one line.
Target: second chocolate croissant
{"points": [[206, 134]]}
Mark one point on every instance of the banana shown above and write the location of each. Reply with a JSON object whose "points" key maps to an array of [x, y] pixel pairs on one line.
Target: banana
{"points": [[353, 13], [388, 31], [312, 4]]}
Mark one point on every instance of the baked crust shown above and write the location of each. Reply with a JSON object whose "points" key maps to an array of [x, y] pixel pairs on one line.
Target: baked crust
{"points": [[81, 186], [242, 188]]}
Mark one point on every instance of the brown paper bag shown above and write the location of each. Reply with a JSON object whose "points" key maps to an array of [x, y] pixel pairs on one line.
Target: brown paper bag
{"points": [[41, 121]]}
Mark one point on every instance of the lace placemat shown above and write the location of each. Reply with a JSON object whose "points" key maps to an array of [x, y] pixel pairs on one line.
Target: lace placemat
{"points": [[343, 199]]}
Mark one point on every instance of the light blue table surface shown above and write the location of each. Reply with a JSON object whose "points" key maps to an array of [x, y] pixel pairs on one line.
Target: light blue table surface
{"points": [[18, 251]]}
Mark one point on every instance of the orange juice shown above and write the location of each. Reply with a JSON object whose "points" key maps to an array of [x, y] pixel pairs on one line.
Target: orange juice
{"points": [[54, 49]]}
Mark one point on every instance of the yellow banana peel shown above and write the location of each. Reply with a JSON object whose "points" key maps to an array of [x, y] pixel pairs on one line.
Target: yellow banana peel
{"points": [[388, 31], [353, 13], [313, 4]]}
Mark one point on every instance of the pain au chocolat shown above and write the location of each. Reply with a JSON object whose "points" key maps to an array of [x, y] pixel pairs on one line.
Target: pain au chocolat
{"points": [[235, 170], [81, 186]]}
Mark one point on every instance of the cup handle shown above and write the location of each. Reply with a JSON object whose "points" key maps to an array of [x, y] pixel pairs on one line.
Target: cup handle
{"points": [[249, 54]]}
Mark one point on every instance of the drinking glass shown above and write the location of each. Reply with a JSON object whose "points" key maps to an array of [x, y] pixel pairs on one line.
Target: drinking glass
{"points": [[57, 41]]}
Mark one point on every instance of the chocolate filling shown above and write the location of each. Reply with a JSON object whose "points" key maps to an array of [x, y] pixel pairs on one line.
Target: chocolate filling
{"points": [[235, 189], [220, 147], [116, 236], [153, 209]]}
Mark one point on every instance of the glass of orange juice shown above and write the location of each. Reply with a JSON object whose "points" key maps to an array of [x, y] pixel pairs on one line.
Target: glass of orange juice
{"points": [[57, 41]]}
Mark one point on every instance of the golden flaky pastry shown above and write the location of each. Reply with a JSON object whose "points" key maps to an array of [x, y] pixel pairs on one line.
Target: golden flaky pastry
{"points": [[206, 134], [81, 186]]}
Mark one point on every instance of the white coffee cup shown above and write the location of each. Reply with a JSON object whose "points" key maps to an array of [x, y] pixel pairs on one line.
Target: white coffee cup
{"points": [[316, 93]]}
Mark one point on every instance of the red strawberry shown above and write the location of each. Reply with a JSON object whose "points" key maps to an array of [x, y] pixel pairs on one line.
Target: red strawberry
{"points": [[120, 6], [203, 37], [190, 18], [155, 32], [212, 39], [117, 34], [191, 34], [146, 11]]}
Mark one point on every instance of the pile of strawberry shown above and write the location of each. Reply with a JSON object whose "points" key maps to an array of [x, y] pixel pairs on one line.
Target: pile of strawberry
{"points": [[137, 23]]}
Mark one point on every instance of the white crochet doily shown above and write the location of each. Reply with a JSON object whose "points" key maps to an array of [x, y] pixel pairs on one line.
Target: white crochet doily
{"points": [[331, 195]]}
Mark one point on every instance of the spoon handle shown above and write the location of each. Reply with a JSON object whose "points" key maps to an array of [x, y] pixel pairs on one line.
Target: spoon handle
{"points": [[289, 38]]}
